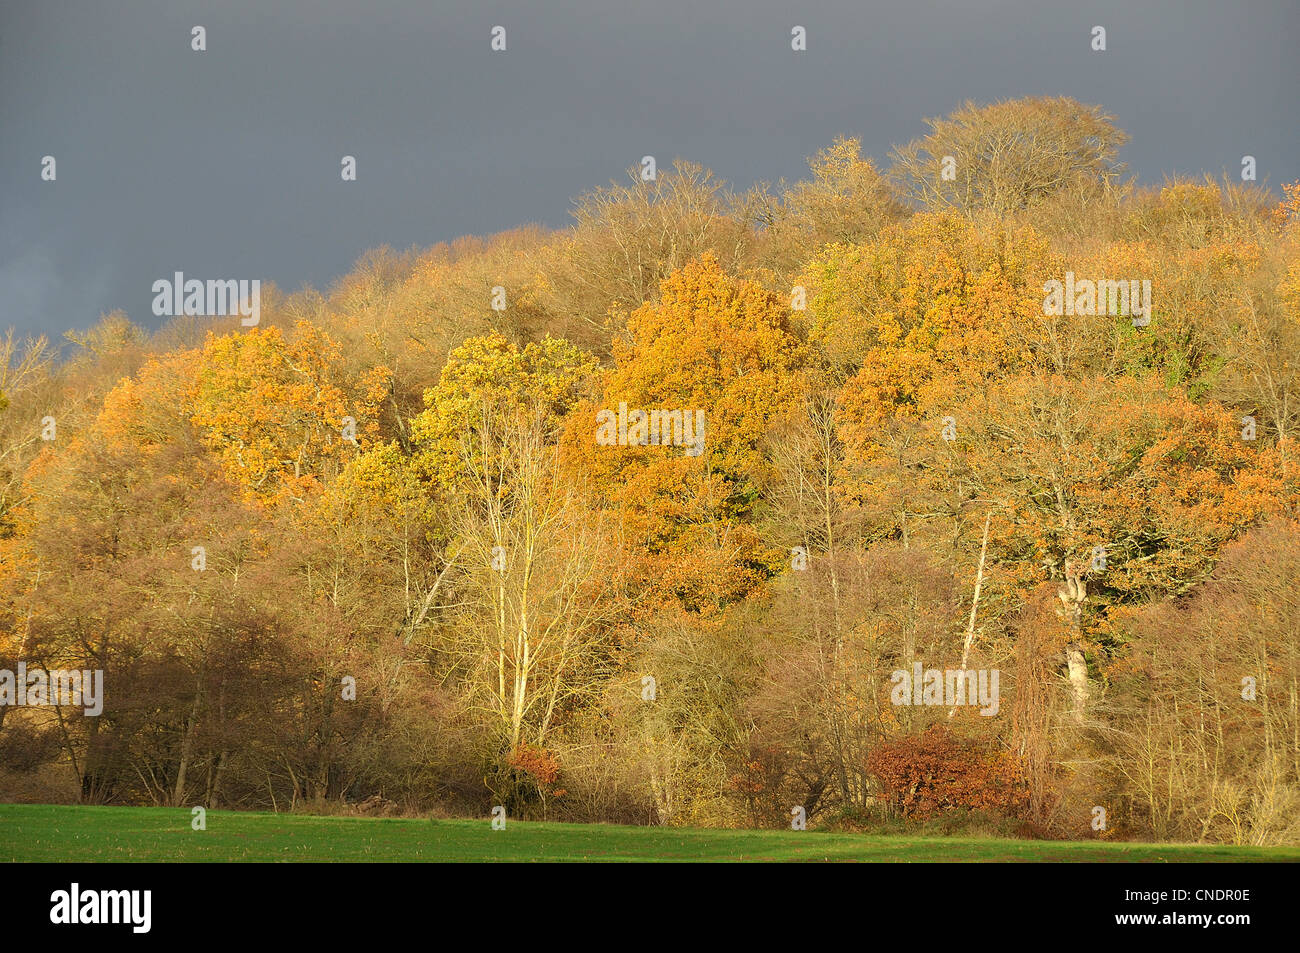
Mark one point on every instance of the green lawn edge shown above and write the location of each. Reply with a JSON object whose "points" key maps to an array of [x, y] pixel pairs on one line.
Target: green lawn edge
{"points": [[63, 834]]}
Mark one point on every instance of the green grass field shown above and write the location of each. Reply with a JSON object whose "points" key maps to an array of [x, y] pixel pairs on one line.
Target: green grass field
{"points": [[57, 833]]}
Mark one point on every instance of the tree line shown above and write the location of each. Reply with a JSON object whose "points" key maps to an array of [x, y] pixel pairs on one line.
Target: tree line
{"points": [[371, 550]]}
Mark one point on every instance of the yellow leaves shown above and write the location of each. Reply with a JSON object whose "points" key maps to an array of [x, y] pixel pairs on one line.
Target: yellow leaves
{"points": [[547, 376], [714, 343], [1288, 291], [935, 284], [1128, 463], [274, 410], [1288, 210], [149, 409], [377, 484]]}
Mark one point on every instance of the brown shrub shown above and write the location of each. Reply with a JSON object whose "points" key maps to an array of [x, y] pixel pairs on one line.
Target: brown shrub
{"points": [[934, 772]]}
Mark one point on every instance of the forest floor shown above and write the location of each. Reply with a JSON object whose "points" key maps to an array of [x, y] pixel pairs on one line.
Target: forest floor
{"points": [[57, 833]]}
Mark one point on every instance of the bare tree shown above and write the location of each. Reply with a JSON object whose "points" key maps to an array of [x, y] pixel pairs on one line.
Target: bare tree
{"points": [[628, 238], [538, 578], [1005, 156]]}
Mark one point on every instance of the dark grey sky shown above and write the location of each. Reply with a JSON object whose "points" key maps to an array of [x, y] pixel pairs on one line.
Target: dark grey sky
{"points": [[225, 164]]}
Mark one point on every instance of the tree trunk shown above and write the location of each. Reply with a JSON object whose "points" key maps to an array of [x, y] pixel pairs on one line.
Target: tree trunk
{"points": [[1077, 667], [1073, 593], [975, 602], [187, 747]]}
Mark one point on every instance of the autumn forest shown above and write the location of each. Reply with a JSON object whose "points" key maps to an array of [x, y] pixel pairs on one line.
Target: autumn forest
{"points": [[695, 512]]}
